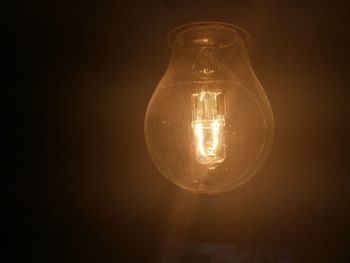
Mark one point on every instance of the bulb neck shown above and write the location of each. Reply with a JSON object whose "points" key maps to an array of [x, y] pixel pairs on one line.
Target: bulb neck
{"points": [[204, 34], [206, 51]]}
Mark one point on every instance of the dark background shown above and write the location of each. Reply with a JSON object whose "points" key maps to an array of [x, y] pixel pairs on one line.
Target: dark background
{"points": [[79, 185]]}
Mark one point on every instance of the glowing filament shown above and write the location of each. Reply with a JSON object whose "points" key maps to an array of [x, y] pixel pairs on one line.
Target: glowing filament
{"points": [[207, 123]]}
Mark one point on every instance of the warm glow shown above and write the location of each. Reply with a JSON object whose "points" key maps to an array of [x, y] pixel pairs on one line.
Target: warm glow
{"points": [[208, 126]]}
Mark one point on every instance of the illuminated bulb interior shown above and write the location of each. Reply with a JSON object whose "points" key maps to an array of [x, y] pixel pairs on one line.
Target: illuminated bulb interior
{"points": [[208, 122]]}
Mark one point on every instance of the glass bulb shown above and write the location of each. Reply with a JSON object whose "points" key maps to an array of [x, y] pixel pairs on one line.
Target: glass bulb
{"points": [[209, 124]]}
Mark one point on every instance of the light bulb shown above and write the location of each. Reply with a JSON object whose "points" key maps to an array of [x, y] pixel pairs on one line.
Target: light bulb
{"points": [[209, 125]]}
